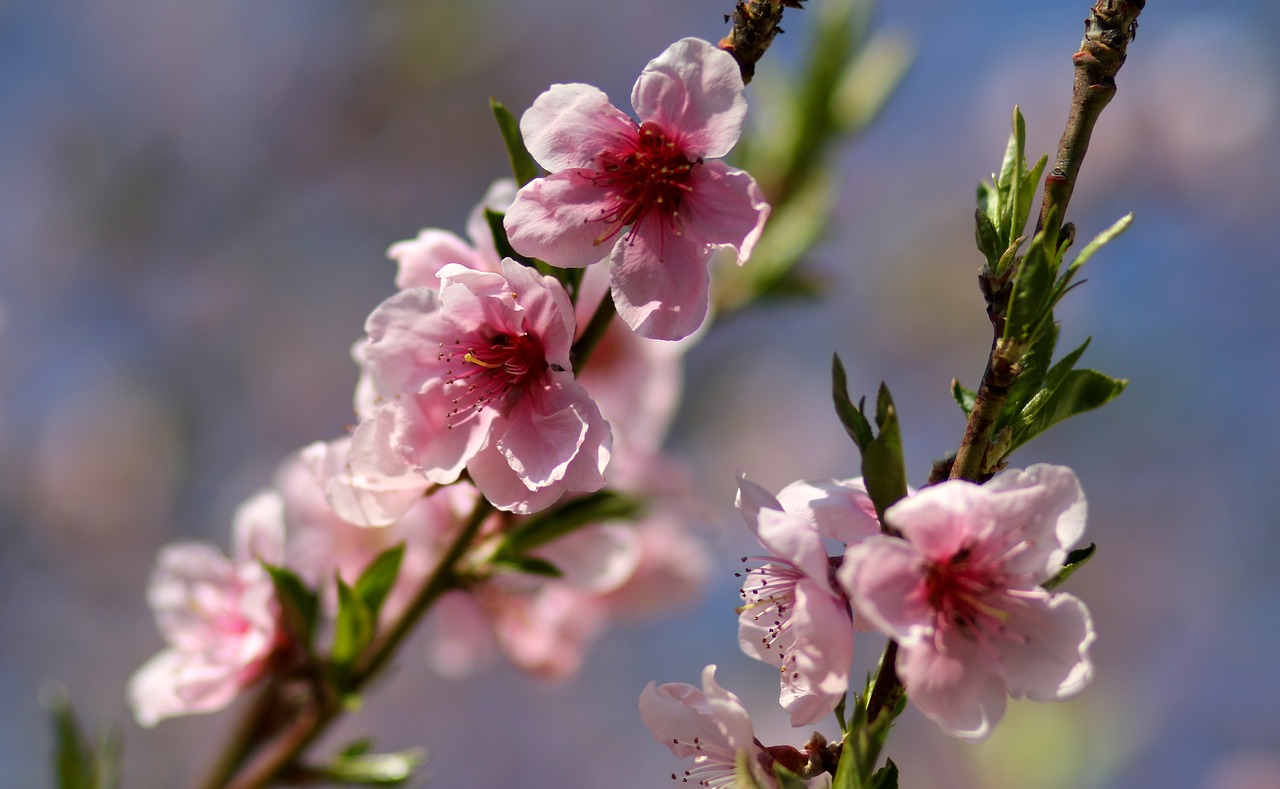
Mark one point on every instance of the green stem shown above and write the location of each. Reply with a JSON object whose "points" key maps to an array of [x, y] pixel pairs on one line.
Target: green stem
{"points": [[318, 713]]}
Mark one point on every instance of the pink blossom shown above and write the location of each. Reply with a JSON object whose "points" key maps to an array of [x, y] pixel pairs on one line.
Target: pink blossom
{"points": [[477, 376], [961, 595], [794, 615], [709, 726], [322, 544], [609, 172], [218, 615], [635, 383]]}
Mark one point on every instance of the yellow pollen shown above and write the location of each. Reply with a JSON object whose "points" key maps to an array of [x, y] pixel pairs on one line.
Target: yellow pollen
{"points": [[471, 357]]}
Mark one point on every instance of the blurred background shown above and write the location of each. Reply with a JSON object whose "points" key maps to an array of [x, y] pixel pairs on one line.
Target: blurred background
{"points": [[195, 202]]}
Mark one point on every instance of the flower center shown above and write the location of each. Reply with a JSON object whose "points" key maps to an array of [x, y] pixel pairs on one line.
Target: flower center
{"points": [[648, 175], [478, 375], [960, 592]]}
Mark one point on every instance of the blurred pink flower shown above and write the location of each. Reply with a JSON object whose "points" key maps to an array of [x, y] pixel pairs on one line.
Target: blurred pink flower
{"points": [[477, 375], [609, 172], [219, 616], [320, 544], [961, 595], [794, 614], [709, 726]]}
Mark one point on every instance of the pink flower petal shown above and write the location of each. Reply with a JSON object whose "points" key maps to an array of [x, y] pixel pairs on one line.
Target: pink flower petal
{"points": [[258, 529], [419, 260], [503, 488], [940, 519], [548, 312], [818, 674], [539, 439], [558, 219], [724, 207], [752, 498], [884, 579], [839, 509], [568, 124], [660, 282], [694, 91], [794, 540], [951, 689], [1047, 659], [1044, 508], [376, 498]]}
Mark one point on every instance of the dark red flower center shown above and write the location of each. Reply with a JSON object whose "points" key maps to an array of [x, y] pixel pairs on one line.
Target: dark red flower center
{"points": [[959, 591], [648, 176], [482, 374]]}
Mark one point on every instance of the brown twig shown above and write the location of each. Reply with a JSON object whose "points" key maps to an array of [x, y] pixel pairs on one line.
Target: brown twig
{"points": [[1111, 25], [755, 23]]}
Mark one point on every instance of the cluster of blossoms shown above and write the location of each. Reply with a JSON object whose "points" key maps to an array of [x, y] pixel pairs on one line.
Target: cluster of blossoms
{"points": [[470, 401], [954, 576]]}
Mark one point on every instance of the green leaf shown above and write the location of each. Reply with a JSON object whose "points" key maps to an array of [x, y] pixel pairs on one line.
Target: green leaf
{"points": [[886, 777], [1079, 391], [548, 525], [882, 463], [78, 763], [787, 779], [298, 604], [372, 769], [523, 166], [851, 416], [965, 398], [1074, 561], [986, 236], [1035, 364], [354, 628], [846, 776], [530, 565], [744, 772], [375, 583], [1030, 307], [1098, 242]]}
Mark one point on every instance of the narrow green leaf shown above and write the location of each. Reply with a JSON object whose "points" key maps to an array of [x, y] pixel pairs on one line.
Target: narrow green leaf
{"points": [[987, 238], [1029, 304], [1014, 155], [529, 565], [1074, 561], [548, 525], [78, 763], [787, 779], [883, 468], [855, 423], [298, 604], [744, 772], [354, 628], [846, 776], [1030, 382], [1080, 391], [523, 165], [965, 398], [73, 763], [886, 777], [375, 583], [373, 769], [1098, 242], [1027, 193]]}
